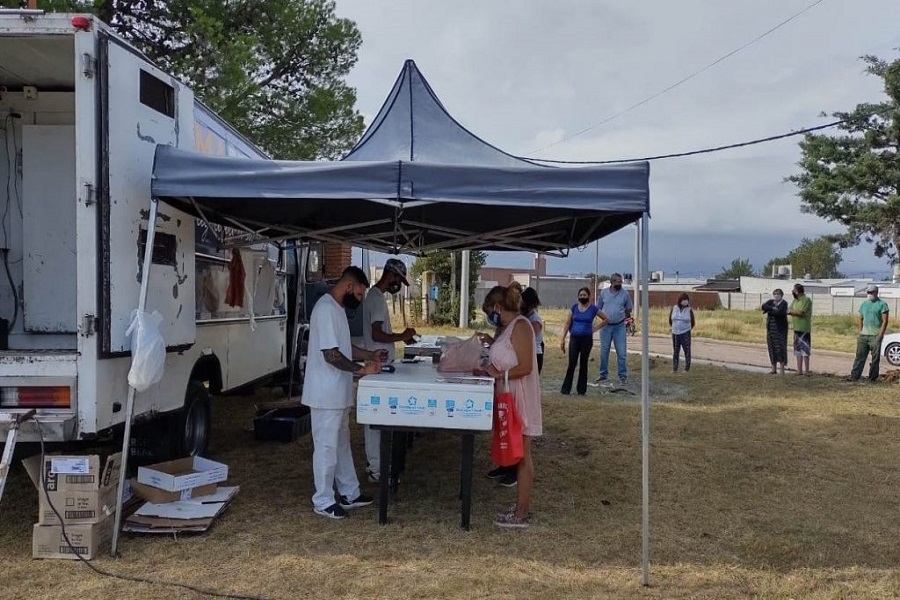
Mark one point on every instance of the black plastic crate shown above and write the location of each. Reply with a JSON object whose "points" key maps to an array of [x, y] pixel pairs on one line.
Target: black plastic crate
{"points": [[282, 424]]}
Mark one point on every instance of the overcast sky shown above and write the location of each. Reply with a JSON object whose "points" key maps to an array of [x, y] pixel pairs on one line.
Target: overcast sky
{"points": [[524, 74]]}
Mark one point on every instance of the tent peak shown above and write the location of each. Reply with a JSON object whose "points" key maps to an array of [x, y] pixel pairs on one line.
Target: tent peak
{"points": [[413, 125]]}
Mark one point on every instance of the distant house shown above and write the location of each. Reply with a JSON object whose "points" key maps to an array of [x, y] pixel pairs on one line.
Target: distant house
{"points": [[832, 287], [720, 285], [488, 277]]}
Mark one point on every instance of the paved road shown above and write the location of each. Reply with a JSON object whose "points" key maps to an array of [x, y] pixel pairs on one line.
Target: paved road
{"points": [[748, 355]]}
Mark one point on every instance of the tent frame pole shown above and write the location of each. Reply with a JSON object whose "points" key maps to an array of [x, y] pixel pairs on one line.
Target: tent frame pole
{"points": [[129, 404], [464, 291], [645, 398]]}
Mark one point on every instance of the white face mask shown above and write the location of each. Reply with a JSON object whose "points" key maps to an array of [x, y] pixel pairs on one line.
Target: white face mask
{"points": [[872, 297], [777, 297], [684, 303]]}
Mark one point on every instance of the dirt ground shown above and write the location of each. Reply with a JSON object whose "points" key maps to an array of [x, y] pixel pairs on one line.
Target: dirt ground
{"points": [[756, 355]]}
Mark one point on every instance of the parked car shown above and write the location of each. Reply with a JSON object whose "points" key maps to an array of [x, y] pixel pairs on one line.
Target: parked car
{"points": [[891, 348]]}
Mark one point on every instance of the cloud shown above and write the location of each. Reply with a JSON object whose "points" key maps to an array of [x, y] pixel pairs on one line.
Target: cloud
{"points": [[525, 74]]}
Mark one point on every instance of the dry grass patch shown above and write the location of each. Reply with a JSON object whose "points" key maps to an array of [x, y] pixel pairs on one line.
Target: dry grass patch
{"points": [[761, 486]]}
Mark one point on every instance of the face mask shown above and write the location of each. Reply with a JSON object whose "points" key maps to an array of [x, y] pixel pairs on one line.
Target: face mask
{"points": [[684, 303], [617, 286], [795, 294], [777, 297], [393, 288], [493, 318], [350, 301], [583, 300], [872, 297]]}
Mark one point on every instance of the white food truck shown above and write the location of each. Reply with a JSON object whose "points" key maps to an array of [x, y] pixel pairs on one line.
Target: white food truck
{"points": [[81, 113]]}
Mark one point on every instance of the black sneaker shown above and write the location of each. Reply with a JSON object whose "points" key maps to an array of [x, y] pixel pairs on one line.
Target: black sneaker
{"points": [[360, 501], [496, 473], [332, 512], [508, 480]]}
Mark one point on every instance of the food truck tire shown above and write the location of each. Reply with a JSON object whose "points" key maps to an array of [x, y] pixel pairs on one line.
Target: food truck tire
{"points": [[193, 423]]}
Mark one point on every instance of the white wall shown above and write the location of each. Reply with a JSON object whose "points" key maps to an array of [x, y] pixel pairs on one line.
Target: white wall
{"points": [[823, 304]]}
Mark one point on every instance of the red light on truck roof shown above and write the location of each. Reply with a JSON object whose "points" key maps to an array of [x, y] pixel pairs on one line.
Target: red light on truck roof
{"points": [[81, 23]]}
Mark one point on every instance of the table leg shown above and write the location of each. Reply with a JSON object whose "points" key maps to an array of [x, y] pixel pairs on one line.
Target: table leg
{"points": [[384, 474], [468, 453], [398, 458]]}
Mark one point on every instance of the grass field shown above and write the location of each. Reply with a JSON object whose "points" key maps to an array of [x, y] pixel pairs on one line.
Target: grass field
{"points": [[832, 332], [761, 487]]}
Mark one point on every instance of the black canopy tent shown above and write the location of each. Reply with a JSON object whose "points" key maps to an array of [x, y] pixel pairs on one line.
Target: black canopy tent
{"points": [[416, 181]]}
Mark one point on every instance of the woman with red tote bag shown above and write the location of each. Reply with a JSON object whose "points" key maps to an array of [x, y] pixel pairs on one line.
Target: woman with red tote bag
{"points": [[512, 360]]}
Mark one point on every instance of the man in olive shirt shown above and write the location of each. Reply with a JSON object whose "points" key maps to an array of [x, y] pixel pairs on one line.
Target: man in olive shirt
{"points": [[801, 313], [872, 322]]}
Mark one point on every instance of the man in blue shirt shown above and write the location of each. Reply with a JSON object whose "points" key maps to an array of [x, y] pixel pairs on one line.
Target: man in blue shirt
{"points": [[616, 304]]}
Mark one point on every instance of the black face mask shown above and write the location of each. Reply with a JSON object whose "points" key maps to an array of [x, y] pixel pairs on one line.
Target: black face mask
{"points": [[350, 301], [617, 286], [584, 300], [393, 288], [794, 294]]}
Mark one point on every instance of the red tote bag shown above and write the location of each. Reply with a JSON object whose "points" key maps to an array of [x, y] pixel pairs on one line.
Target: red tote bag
{"points": [[507, 448]]}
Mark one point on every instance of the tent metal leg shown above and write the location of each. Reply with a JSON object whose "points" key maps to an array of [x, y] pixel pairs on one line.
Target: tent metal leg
{"points": [[129, 404], [464, 291], [645, 400]]}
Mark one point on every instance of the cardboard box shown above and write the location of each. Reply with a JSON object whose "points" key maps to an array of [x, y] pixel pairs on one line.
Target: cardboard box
{"points": [[196, 515], [183, 474], [89, 540], [158, 496], [82, 489]]}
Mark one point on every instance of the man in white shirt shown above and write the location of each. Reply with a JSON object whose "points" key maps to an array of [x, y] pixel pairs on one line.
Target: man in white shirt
{"points": [[328, 392], [378, 335]]}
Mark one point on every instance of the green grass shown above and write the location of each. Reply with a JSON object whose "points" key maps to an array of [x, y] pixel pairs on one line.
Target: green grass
{"points": [[834, 332]]}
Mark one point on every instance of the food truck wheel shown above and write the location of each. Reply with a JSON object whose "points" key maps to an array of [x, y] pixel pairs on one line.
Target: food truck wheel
{"points": [[193, 423]]}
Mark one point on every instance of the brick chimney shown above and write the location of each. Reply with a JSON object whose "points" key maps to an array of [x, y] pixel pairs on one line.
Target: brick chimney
{"points": [[337, 258]]}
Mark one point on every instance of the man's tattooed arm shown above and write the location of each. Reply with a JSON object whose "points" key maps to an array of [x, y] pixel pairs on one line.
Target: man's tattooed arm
{"points": [[336, 359]]}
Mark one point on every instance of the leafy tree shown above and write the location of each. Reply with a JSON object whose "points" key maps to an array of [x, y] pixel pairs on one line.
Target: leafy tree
{"points": [[819, 257], [854, 178], [442, 263], [740, 267], [274, 69]]}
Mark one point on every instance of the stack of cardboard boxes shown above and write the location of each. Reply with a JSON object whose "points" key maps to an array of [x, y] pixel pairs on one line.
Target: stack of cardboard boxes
{"points": [[77, 497], [181, 495]]}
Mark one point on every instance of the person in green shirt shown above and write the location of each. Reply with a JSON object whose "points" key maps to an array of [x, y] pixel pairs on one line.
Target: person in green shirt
{"points": [[872, 322], [801, 317]]}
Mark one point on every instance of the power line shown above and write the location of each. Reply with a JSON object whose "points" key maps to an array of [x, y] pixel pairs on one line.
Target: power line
{"points": [[681, 81], [691, 152]]}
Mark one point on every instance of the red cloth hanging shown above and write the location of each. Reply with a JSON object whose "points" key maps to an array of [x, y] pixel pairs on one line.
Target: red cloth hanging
{"points": [[236, 276]]}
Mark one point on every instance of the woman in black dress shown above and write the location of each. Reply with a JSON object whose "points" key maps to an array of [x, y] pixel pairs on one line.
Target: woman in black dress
{"points": [[776, 330]]}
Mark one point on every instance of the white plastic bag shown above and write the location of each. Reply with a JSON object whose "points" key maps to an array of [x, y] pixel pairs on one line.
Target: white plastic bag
{"points": [[148, 350]]}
